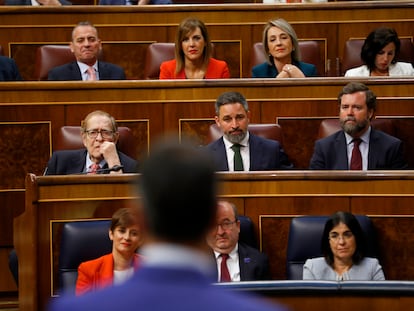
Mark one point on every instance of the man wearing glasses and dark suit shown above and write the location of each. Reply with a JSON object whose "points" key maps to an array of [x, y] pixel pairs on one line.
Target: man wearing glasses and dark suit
{"points": [[99, 133]]}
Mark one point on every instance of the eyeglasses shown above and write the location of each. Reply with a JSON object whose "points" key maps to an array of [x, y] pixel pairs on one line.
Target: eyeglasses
{"points": [[226, 225], [334, 236], [104, 133]]}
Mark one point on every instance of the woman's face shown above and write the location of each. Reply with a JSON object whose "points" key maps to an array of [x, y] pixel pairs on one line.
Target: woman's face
{"points": [[279, 43], [342, 242], [193, 45], [126, 240], [384, 57]]}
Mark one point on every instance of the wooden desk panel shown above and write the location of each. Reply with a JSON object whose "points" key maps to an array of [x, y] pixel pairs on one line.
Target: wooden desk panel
{"points": [[234, 28], [270, 199], [185, 108]]}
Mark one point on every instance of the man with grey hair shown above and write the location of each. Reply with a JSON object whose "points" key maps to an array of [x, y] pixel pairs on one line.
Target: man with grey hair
{"points": [[239, 150], [86, 46]]}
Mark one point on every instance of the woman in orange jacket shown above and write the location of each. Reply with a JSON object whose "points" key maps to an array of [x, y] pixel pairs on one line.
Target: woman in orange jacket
{"points": [[193, 52], [118, 266]]}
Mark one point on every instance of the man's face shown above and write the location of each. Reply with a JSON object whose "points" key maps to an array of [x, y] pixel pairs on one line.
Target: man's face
{"points": [[103, 125], [224, 235], [354, 115], [233, 120], [85, 44]]}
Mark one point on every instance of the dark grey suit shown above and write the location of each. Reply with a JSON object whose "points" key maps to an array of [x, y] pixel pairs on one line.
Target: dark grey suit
{"points": [[265, 154], [385, 152], [71, 71]]}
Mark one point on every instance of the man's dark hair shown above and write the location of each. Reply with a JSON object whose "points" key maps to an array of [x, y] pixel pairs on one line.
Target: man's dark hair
{"points": [[179, 192], [354, 87], [231, 98]]}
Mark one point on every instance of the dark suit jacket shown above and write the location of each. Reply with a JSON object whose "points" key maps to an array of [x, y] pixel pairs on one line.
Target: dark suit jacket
{"points": [[8, 70], [29, 2], [66, 162], [71, 71], [266, 70], [254, 265], [265, 154], [164, 288], [385, 152]]}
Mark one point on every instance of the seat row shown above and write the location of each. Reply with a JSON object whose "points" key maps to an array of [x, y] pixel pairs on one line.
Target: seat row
{"points": [[304, 242], [69, 138], [50, 56]]}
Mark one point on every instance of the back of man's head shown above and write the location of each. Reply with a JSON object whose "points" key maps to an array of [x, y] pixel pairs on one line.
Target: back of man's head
{"points": [[179, 196]]}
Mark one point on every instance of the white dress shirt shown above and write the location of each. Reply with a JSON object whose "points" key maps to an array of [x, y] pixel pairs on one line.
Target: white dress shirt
{"points": [[232, 264], [244, 151], [363, 147]]}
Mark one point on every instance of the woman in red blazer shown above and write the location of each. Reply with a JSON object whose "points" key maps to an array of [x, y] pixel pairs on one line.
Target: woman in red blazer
{"points": [[193, 55], [118, 266]]}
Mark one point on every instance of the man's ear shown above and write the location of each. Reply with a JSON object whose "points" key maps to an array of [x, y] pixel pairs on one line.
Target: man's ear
{"points": [[217, 119], [371, 115]]}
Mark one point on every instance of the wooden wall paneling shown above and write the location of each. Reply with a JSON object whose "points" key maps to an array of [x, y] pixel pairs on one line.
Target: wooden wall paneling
{"points": [[270, 199], [395, 242], [129, 55], [231, 53], [25, 147], [299, 136], [195, 130], [141, 132], [337, 21]]}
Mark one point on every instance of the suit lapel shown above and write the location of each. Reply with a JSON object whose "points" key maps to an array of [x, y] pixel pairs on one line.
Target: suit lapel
{"points": [[245, 272], [75, 73], [373, 151], [341, 152], [78, 163], [222, 162]]}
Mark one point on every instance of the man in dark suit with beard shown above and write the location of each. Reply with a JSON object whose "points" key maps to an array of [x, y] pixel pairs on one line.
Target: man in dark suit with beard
{"points": [[255, 153], [86, 47], [244, 263], [358, 146]]}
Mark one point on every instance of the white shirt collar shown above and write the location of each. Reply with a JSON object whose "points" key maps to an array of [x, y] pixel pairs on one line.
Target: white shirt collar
{"points": [[245, 142]]}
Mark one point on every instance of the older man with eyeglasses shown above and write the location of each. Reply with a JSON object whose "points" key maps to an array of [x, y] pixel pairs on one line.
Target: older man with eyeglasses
{"points": [[235, 261], [99, 133]]}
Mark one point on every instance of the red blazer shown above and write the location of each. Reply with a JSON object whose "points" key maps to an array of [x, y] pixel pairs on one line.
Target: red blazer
{"points": [[216, 69], [97, 273]]}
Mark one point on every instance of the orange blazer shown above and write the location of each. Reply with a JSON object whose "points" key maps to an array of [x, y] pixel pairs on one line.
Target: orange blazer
{"points": [[97, 273], [216, 69]]}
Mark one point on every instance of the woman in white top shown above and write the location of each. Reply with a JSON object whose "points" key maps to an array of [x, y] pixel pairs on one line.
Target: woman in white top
{"points": [[379, 54], [343, 246]]}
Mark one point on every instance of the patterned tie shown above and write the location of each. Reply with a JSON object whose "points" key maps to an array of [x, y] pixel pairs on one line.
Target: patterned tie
{"points": [[238, 162], [91, 74], [224, 273], [93, 168], [356, 158]]}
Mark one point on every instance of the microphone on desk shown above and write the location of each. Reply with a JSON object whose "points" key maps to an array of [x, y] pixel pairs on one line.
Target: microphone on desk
{"points": [[114, 168]]}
